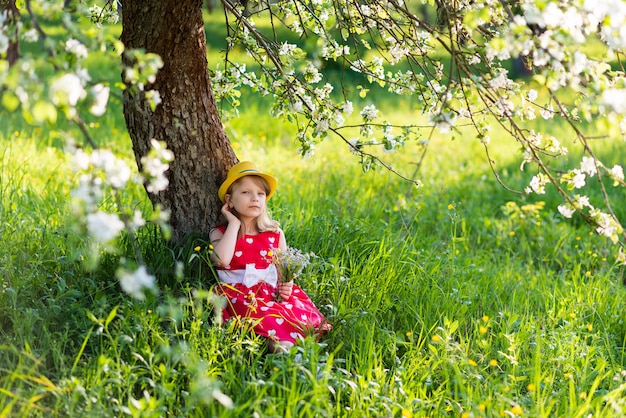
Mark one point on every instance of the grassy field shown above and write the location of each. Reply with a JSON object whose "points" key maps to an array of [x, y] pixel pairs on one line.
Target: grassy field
{"points": [[457, 298]]}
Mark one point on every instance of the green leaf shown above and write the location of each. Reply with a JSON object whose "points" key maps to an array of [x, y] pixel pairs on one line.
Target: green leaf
{"points": [[111, 316], [10, 101], [44, 112]]}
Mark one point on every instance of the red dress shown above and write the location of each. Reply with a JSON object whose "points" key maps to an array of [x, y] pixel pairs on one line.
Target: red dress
{"points": [[249, 286]]}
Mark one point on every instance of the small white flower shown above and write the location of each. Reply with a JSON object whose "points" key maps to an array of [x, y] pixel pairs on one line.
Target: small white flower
{"points": [[76, 48], [31, 35], [137, 282], [369, 113], [615, 99], [103, 227], [588, 165], [67, 90], [617, 174], [566, 210], [347, 108], [286, 49], [138, 221], [537, 184], [101, 95], [579, 179], [80, 160]]}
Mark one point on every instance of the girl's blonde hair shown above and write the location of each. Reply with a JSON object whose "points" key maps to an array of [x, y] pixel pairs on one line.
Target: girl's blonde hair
{"points": [[263, 222]]}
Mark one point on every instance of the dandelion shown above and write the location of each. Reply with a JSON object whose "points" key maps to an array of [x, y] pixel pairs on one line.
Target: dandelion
{"points": [[436, 338], [472, 363], [450, 206], [485, 318], [517, 410], [530, 387], [482, 329], [197, 248], [493, 362]]}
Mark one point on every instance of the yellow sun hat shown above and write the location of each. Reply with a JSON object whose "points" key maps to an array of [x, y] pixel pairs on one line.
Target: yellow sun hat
{"points": [[242, 169]]}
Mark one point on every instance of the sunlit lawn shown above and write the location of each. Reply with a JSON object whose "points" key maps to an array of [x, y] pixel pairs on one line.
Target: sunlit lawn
{"points": [[456, 298]]}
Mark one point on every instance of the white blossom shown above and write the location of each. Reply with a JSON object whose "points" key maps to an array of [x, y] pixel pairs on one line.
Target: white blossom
{"points": [[137, 282], [537, 184], [104, 227], [617, 174], [76, 48], [579, 179], [138, 221], [588, 166], [566, 210], [30, 35], [347, 108], [67, 90], [615, 99], [101, 95], [369, 113], [117, 171]]}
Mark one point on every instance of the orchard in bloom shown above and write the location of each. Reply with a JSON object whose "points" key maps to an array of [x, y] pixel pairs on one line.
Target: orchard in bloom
{"points": [[451, 58]]}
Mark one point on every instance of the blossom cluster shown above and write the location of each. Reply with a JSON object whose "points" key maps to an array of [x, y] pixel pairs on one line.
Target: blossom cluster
{"points": [[103, 176], [543, 34], [290, 262]]}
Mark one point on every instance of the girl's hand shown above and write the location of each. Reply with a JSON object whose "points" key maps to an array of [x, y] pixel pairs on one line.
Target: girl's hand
{"points": [[230, 217], [284, 290]]}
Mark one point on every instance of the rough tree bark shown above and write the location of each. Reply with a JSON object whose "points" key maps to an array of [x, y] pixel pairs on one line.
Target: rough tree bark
{"points": [[187, 118]]}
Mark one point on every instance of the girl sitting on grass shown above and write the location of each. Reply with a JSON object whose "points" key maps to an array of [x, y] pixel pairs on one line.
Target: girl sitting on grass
{"points": [[243, 250]]}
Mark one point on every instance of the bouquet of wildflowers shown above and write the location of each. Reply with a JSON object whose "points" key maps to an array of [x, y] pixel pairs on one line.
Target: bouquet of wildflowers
{"points": [[290, 263]]}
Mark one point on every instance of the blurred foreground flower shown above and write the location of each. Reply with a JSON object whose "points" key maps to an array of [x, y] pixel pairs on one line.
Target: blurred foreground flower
{"points": [[135, 283]]}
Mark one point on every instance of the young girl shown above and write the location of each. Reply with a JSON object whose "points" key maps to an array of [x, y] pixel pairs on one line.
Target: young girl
{"points": [[243, 248]]}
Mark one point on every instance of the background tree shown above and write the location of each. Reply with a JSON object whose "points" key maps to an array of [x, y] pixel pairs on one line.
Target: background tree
{"points": [[456, 70], [187, 118], [9, 10]]}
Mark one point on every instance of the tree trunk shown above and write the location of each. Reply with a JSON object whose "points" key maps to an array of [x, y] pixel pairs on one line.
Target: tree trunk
{"points": [[9, 8], [187, 118]]}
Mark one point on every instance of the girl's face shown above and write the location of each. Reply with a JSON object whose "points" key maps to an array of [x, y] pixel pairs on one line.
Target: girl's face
{"points": [[248, 196]]}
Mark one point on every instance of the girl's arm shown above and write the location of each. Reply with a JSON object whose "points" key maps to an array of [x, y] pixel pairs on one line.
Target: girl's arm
{"points": [[224, 243], [284, 288], [282, 241]]}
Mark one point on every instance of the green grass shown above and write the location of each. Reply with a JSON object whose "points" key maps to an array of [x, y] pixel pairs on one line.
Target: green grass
{"points": [[443, 300], [454, 299]]}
